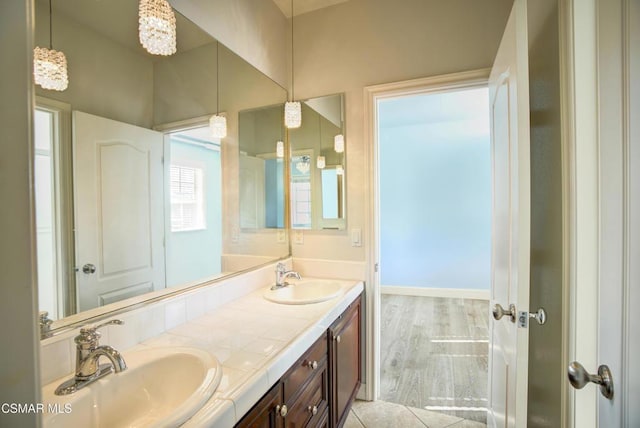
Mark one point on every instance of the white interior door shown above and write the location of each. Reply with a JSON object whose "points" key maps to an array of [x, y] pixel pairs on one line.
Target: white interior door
{"points": [[509, 105], [252, 203], [119, 210]]}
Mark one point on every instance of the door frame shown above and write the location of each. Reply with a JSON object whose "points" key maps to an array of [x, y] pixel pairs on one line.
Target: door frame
{"points": [[442, 83], [596, 71], [64, 203]]}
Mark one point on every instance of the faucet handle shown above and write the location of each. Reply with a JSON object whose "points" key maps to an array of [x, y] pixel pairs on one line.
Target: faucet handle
{"points": [[45, 324], [90, 335], [281, 268]]}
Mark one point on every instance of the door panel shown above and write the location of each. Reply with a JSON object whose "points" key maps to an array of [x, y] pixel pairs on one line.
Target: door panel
{"points": [[509, 102], [119, 209]]}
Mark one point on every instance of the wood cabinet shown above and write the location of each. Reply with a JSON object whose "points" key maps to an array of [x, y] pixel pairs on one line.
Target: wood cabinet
{"points": [[319, 388], [344, 362], [300, 398]]}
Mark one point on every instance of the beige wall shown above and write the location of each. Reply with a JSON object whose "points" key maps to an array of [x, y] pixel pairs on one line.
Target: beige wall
{"points": [[346, 47], [19, 370], [99, 69], [254, 29]]}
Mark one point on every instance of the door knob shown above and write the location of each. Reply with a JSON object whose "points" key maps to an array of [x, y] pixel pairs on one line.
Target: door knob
{"points": [[579, 377], [89, 269], [499, 312]]}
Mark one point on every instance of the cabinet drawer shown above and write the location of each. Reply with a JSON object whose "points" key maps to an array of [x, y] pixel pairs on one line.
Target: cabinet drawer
{"points": [[311, 404], [312, 362]]}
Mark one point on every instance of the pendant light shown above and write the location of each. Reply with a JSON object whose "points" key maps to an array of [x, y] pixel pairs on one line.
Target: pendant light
{"points": [[280, 149], [338, 143], [292, 108], [218, 123], [157, 27], [49, 65], [304, 164]]}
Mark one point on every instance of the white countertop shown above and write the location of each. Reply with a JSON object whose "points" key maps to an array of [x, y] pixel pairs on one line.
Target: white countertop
{"points": [[256, 341]]}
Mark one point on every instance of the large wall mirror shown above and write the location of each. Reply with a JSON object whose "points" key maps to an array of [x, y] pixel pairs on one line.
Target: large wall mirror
{"points": [[317, 165], [134, 197]]}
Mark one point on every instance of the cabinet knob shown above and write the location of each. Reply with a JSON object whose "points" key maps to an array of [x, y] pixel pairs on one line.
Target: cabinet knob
{"points": [[312, 364], [282, 410], [313, 410], [337, 338]]}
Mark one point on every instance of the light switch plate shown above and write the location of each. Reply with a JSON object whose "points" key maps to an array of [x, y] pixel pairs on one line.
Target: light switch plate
{"points": [[298, 237], [281, 236], [356, 237]]}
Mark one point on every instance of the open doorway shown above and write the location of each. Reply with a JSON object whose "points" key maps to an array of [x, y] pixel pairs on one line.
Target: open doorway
{"points": [[434, 248]]}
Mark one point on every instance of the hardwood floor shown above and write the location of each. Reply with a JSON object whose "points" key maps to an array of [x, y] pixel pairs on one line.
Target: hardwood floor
{"points": [[434, 354]]}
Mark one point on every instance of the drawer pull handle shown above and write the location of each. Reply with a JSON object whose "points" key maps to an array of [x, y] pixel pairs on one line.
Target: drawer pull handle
{"points": [[312, 364], [282, 410], [313, 410]]}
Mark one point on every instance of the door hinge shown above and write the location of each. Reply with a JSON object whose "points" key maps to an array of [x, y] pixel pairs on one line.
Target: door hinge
{"points": [[376, 267]]}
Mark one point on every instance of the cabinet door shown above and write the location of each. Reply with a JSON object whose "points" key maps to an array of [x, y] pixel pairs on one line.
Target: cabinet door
{"points": [[266, 413], [345, 362]]}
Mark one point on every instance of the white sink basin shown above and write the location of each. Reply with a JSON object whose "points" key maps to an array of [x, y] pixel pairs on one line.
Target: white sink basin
{"points": [[161, 387], [305, 292]]}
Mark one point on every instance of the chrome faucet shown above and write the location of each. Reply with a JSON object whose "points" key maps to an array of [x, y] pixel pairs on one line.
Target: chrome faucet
{"points": [[282, 274], [88, 353]]}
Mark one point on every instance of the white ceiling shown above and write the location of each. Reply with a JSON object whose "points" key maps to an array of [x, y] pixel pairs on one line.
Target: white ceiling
{"points": [[304, 6]]}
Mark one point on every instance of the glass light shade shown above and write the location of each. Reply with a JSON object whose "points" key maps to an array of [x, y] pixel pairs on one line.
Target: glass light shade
{"points": [[280, 149], [218, 126], [50, 69], [157, 27], [339, 170], [292, 114], [338, 143], [320, 162]]}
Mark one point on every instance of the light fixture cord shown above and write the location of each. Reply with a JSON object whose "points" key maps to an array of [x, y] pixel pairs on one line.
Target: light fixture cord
{"points": [[50, 27], [293, 98], [217, 77]]}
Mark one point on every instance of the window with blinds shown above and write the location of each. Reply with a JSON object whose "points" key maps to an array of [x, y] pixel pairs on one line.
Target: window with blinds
{"points": [[187, 198]]}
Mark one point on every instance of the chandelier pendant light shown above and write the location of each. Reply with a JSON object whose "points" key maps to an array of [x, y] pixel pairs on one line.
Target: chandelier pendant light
{"points": [[157, 27], [218, 126], [321, 162], [49, 65], [304, 164], [218, 123], [338, 143], [280, 149], [292, 109], [292, 114]]}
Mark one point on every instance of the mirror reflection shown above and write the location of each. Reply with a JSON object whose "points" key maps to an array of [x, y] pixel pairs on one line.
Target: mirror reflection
{"points": [[317, 165], [133, 194], [262, 168]]}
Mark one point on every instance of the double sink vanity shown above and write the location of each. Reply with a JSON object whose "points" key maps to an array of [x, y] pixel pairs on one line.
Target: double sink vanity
{"points": [[272, 357]]}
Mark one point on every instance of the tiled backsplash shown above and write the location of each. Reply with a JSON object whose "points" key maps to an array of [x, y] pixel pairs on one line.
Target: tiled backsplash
{"points": [[57, 354]]}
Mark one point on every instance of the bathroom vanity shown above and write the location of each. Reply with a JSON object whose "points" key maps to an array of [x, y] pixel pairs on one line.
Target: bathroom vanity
{"points": [[317, 391], [272, 364]]}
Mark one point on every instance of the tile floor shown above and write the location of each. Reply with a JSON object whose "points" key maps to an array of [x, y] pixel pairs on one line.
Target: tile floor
{"points": [[382, 414], [434, 354]]}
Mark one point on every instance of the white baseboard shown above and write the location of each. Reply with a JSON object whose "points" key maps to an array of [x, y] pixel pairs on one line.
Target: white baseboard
{"points": [[436, 292]]}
